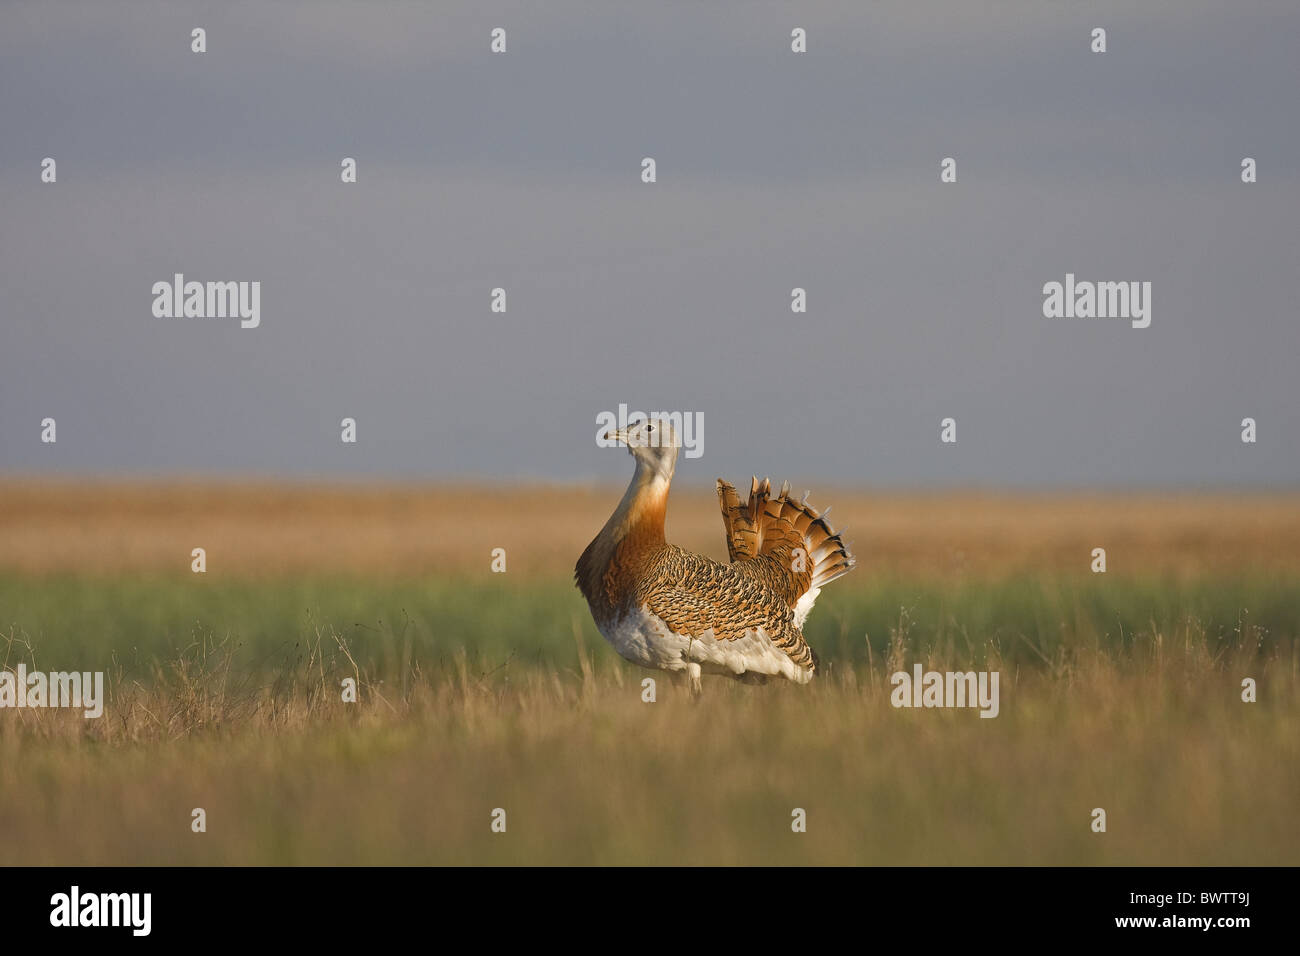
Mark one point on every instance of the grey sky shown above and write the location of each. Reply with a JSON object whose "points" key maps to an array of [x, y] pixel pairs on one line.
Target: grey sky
{"points": [[775, 170]]}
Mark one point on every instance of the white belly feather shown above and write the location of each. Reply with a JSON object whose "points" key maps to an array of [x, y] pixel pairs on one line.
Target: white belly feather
{"points": [[643, 638]]}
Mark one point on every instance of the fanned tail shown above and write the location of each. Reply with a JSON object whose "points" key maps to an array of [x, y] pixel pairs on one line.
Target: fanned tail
{"points": [[764, 525]]}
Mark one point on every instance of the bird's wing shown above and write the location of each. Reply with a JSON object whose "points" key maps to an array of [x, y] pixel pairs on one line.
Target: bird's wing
{"points": [[694, 596]]}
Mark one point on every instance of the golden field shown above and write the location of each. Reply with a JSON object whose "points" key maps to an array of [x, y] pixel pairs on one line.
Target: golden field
{"points": [[253, 529], [481, 691]]}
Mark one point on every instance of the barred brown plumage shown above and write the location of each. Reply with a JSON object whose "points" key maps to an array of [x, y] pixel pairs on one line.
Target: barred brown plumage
{"points": [[663, 607]]}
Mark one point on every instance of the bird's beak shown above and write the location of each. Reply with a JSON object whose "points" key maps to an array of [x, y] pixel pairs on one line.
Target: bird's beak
{"points": [[619, 436]]}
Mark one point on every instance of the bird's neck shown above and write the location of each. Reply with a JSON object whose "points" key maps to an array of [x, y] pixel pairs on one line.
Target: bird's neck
{"points": [[633, 531], [639, 517]]}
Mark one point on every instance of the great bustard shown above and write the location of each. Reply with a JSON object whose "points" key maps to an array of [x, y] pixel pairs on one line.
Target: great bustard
{"points": [[662, 607]]}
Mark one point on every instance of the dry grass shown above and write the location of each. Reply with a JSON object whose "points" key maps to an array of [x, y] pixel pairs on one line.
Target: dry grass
{"points": [[588, 773], [459, 714]]}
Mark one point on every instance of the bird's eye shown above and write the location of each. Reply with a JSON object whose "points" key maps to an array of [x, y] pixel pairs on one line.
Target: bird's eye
{"points": [[649, 428]]}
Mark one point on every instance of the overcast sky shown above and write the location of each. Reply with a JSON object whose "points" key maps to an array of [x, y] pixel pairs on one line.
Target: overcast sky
{"points": [[775, 170]]}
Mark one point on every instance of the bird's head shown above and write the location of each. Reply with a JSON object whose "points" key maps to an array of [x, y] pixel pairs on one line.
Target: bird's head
{"points": [[652, 443]]}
